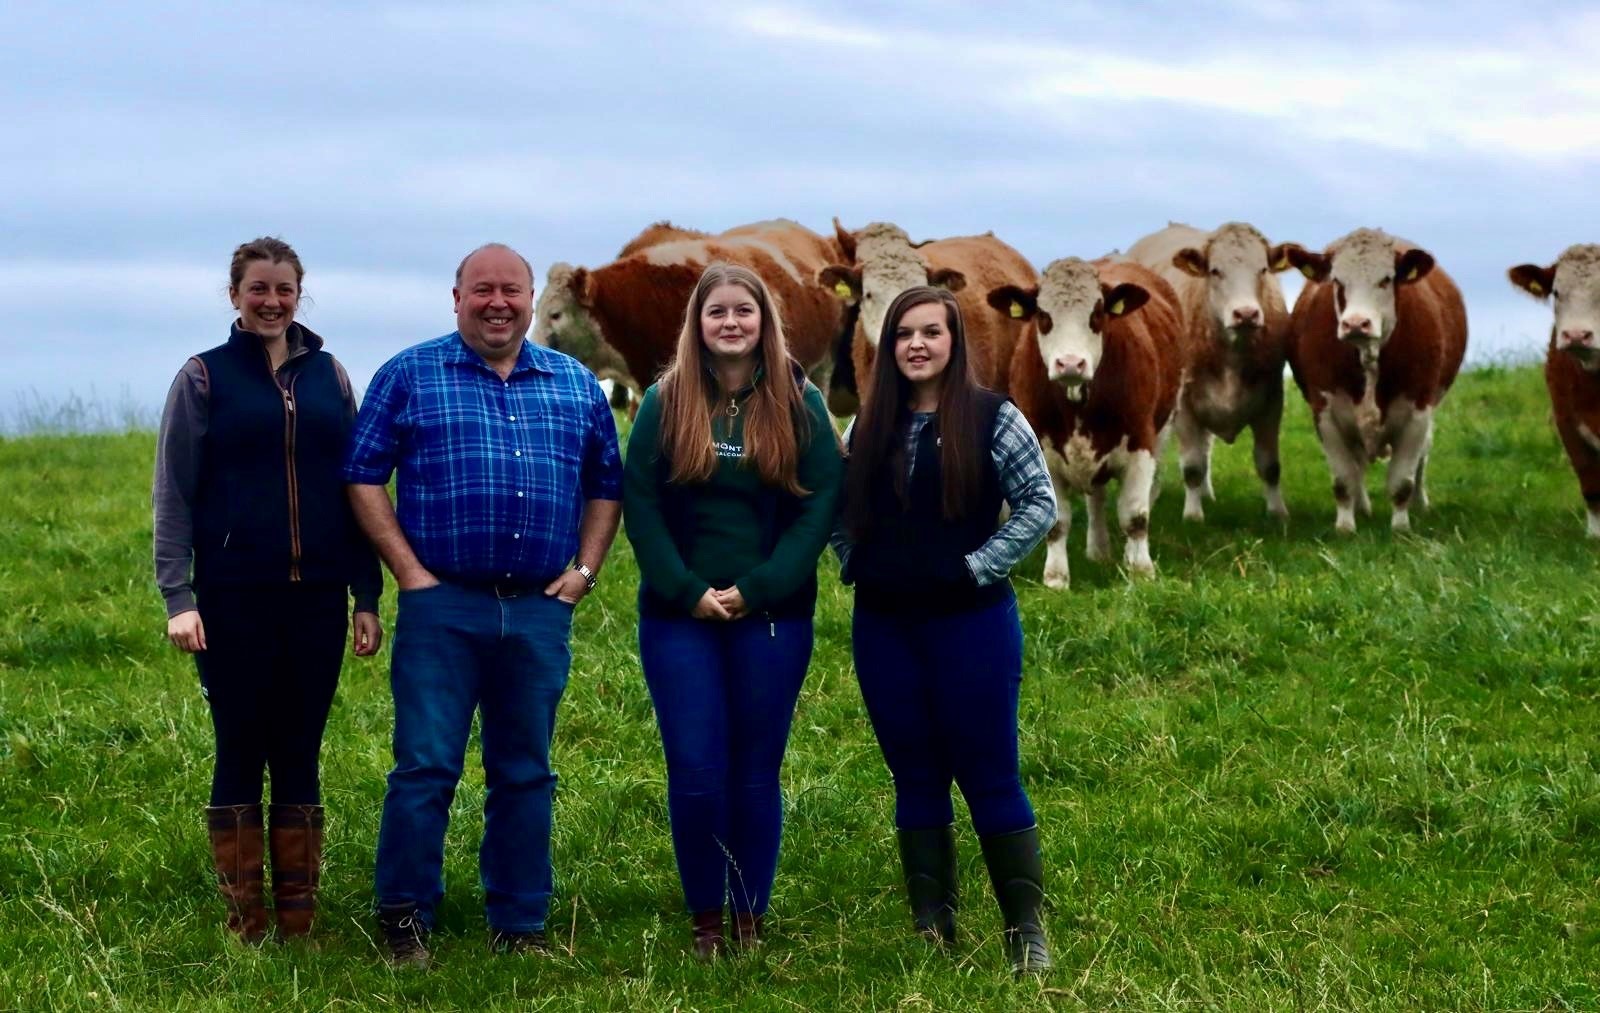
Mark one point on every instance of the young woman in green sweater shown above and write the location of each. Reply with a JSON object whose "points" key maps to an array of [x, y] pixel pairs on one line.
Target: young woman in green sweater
{"points": [[732, 476]]}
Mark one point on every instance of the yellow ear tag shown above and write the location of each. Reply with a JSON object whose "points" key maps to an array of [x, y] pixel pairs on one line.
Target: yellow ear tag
{"points": [[1116, 308], [1280, 264], [1309, 272], [842, 290], [1535, 288], [1016, 310], [1411, 275]]}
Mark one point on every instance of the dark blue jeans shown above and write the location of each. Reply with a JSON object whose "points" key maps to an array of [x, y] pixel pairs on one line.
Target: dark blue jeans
{"points": [[942, 691], [724, 695], [457, 650]]}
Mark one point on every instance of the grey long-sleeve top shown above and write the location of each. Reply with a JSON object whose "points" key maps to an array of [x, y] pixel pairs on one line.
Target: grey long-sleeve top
{"points": [[177, 478]]}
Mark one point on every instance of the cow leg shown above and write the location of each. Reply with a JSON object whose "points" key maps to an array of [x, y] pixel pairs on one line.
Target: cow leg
{"points": [[1408, 452], [1588, 469], [1194, 454], [1056, 574], [1264, 435], [1420, 498], [1098, 544], [1348, 466], [1133, 511]]}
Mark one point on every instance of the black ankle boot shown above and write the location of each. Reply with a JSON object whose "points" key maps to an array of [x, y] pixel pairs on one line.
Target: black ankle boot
{"points": [[929, 860], [1017, 872]]}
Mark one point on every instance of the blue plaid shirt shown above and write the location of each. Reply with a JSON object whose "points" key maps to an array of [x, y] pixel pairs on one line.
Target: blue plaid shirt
{"points": [[494, 473]]}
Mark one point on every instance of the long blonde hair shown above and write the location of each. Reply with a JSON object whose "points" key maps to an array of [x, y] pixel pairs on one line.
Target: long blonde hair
{"points": [[775, 416]]}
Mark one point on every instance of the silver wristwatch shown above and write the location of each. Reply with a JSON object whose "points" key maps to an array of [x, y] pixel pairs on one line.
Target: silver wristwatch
{"points": [[588, 574]]}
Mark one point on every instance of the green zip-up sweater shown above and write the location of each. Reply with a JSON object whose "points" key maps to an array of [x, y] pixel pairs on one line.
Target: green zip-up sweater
{"points": [[733, 529]]}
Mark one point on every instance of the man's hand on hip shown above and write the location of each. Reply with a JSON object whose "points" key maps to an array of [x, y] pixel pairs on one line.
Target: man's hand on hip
{"points": [[570, 587]]}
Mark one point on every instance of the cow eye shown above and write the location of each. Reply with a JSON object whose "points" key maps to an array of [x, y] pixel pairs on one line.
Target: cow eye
{"points": [[1385, 281], [1044, 322], [1554, 294], [1216, 272]]}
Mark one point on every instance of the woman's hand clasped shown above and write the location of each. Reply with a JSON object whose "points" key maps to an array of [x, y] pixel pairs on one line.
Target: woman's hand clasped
{"points": [[725, 605]]}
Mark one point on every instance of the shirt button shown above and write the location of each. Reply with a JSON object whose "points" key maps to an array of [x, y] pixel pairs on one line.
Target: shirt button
{"points": [[513, 418], [519, 495], [517, 534], [517, 453], [508, 576]]}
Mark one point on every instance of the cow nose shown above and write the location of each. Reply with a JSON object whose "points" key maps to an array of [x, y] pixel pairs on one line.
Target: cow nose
{"points": [[1246, 316], [1070, 366], [1582, 339], [1354, 326]]}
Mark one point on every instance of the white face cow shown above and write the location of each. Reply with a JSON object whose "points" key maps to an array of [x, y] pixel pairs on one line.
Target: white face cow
{"points": [[1236, 263], [561, 322], [1574, 283], [886, 264], [1070, 310], [1364, 268]]}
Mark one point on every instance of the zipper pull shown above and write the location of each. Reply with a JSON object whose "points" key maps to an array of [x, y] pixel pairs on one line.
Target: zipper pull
{"points": [[288, 402], [772, 627]]}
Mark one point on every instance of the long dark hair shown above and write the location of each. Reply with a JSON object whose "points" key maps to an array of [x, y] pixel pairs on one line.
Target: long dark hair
{"points": [[776, 426], [877, 441]]}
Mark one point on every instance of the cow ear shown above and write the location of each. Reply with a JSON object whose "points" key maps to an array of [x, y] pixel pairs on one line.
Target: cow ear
{"points": [[1412, 265], [1191, 261], [846, 238], [844, 282], [947, 278], [583, 288], [1315, 266], [1125, 298], [1016, 303], [1533, 279], [1278, 256]]}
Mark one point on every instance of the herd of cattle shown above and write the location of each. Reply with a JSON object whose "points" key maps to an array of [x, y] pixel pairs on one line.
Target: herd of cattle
{"points": [[1188, 331]]}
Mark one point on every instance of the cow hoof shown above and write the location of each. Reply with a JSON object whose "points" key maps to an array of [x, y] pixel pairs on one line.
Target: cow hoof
{"points": [[1192, 510], [1400, 522], [1056, 581], [1345, 526], [1098, 553], [1142, 571]]}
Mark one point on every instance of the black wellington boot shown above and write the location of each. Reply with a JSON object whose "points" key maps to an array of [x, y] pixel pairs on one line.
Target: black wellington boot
{"points": [[929, 860], [1017, 872]]}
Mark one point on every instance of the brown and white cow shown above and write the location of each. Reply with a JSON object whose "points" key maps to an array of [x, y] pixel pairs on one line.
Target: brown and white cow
{"points": [[883, 262], [1096, 373], [1237, 323], [657, 233], [1377, 337], [1572, 361], [629, 311]]}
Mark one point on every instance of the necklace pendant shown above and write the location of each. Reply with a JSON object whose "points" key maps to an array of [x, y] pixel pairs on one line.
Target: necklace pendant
{"points": [[733, 408]]}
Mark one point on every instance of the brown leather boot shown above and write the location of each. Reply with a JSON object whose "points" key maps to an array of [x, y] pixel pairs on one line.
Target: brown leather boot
{"points": [[236, 851], [295, 834], [747, 929], [709, 938]]}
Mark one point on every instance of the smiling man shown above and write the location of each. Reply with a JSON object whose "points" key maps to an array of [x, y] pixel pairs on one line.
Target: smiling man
{"points": [[508, 500]]}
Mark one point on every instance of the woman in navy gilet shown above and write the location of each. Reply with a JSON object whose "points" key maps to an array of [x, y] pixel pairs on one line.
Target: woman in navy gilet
{"points": [[936, 634], [257, 555]]}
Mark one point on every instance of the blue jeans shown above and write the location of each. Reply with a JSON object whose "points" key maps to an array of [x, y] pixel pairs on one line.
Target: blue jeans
{"points": [[942, 695], [724, 695], [457, 650]]}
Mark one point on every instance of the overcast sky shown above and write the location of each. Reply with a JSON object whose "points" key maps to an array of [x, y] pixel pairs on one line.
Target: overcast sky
{"points": [[144, 141]]}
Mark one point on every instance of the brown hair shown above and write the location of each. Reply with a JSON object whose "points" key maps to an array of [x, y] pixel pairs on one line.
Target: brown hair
{"points": [[775, 421], [265, 248], [876, 442]]}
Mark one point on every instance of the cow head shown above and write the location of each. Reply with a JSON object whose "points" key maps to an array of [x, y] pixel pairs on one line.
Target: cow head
{"points": [[1070, 310], [886, 265], [1574, 283], [561, 318], [1365, 269], [1237, 265]]}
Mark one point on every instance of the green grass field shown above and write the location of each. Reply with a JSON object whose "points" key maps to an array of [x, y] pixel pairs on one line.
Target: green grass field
{"points": [[1294, 771]]}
